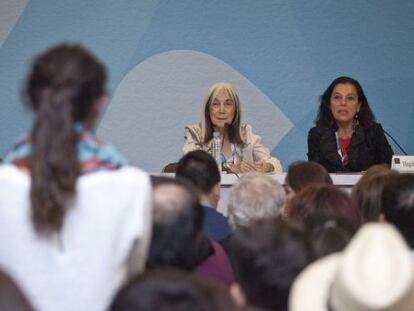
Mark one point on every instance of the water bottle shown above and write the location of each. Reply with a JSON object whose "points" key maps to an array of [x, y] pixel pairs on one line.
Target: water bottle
{"points": [[216, 148]]}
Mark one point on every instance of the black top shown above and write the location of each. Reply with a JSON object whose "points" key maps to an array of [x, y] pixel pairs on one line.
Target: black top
{"points": [[368, 147]]}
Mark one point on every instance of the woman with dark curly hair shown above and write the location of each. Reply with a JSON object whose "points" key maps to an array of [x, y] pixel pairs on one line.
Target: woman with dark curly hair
{"points": [[322, 199], [346, 136]]}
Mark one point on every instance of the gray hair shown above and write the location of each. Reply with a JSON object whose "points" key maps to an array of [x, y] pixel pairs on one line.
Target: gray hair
{"points": [[255, 196]]}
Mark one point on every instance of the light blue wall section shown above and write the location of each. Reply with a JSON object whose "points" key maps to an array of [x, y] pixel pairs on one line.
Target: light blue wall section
{"points": [[286, 51]]}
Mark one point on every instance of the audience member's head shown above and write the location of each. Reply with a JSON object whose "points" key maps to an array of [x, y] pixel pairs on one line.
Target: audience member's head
{"points": [[398, 204], [200, 168], [302, 173], [367, 192], [11, 296], [173, 290], [328, 234], [255, 196], [65, 90], [177, 229], [267, 256], [374, 272], [322, 199]]}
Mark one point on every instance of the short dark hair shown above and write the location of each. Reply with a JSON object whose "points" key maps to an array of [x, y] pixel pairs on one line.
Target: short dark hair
{"points": [[367, 193], [328, 233], [398, 204], [267, 256], [177, 239], [303, 173], [172, 290], [200, 169], [325, 117]]}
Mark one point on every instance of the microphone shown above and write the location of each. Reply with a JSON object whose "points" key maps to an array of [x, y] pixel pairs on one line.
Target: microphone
{"points": [[228, 170], [226, 126], [392, 138], [227, 166]]}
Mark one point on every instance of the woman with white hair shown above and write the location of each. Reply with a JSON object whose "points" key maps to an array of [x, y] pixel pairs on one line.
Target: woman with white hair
{"points": [[242, 150], [255, 196]]}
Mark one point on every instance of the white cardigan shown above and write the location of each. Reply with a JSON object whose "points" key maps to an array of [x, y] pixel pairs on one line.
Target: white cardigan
{"points": [[251, 150]]}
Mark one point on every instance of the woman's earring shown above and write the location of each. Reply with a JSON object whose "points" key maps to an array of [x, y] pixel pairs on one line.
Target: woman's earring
{"points": [[356, 119]]}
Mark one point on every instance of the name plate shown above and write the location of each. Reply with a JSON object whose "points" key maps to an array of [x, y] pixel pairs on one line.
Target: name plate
{"points": [[403, 163]]}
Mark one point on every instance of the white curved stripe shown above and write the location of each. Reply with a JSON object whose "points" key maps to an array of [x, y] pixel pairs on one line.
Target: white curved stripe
{"points": [[161, 95], [10, 11]]}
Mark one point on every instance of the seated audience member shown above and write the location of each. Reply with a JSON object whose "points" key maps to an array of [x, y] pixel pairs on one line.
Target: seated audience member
{"points": [[73, 235], [374, 272], [322, 199], [243, 151], [328, 233], [255, 196], [303, 173], [173, 290], [398, 205], [11, 296], [367, 193], [200, 169], [178, 239], [267, 256]]}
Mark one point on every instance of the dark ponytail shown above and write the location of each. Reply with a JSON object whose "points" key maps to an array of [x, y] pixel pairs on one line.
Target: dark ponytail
{"points": [[61, 89]]}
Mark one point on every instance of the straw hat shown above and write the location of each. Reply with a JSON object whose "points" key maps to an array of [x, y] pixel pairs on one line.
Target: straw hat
{"points": [[374, 272]]}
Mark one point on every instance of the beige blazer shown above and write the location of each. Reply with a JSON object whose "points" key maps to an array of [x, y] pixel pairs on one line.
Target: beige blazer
{"points": [[251, 150]]}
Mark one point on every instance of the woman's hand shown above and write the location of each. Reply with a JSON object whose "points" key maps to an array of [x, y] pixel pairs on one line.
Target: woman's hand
{"points": [[264, 167], [250, 166]]}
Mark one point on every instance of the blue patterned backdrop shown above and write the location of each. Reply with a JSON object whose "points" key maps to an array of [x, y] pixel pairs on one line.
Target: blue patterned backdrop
{"points": [[163, 55]]}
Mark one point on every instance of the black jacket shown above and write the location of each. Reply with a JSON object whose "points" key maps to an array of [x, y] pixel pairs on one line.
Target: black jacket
{"points": [[368, 147]]}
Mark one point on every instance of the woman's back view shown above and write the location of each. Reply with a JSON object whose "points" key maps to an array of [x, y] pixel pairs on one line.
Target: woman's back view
{"points": [[68, 227]]}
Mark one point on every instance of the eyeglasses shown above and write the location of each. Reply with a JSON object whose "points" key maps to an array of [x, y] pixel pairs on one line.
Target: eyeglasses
{"points": [[228, 104], [337, 98]]}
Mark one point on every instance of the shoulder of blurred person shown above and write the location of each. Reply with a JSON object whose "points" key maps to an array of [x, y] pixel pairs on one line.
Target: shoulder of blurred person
{"points": [[216, 226], [217, 266]]}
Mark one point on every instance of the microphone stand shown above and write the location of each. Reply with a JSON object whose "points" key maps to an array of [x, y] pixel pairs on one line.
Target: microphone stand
{"points": [[392, 138]]}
